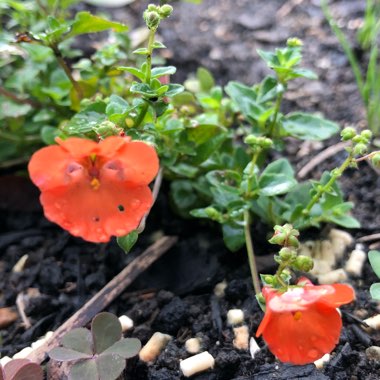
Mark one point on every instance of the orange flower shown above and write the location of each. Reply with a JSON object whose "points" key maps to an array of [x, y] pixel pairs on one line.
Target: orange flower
{"points": [[302, 324], [95, 190]]}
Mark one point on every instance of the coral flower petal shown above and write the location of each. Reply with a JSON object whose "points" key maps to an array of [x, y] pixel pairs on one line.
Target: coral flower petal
{"points": [[140, 161], [304, 336], [111, 145], [47, 167], [78, 147], [96, 215], [342, 294]]}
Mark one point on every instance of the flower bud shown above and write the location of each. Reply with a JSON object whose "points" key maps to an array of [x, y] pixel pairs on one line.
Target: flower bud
{"points": [[366, 134], [251, 140], [360, 149], [376, 160], [266, 143], [294, 42], [152, 19], [348, 133], [267, 279], [166, 10], [213, 214], [153, 7], [287, 254], [303, 263], [285, 235]]}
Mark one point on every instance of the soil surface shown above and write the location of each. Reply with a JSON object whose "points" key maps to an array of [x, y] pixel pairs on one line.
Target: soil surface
{"points": [[175, 295]]}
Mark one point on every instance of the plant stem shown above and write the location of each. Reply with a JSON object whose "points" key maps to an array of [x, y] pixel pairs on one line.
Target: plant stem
{"points": [[278, 274], [335, 175], [251, 253], [19, 100], [140, 117], [65, 67], [152, 33], [277, 107]]}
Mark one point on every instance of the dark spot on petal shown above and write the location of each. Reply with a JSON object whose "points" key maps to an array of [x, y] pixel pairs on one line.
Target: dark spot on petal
{"points": [[121, 208], [96, 219]]}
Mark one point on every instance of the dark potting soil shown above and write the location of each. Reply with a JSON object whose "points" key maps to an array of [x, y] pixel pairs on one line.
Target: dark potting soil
{"points": [[175, 295]]}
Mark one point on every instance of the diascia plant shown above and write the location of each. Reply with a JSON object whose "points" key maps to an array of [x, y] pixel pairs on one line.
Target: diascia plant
{"points": [[301, 322]]}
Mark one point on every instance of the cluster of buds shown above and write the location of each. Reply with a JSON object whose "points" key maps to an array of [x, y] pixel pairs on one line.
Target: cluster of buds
{"points": [[106, 129], [360, 141], [258, 143], [287, 237], [155, 13], [294, 42]]}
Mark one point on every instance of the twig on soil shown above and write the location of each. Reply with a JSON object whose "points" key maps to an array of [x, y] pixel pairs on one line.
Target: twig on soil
{"points": [[105, 296], [320, 157], [373, 237], [21, 310]]}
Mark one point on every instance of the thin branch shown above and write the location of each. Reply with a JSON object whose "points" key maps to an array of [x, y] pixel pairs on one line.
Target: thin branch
{"points": [[105, 296], [19, 100], [21, 310]]}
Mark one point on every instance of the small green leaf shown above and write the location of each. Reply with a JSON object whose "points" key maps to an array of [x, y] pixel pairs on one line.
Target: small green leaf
{"points": [[127, 242], [126, 348], [109, 366], [136, 72], [79, 339], [105, 330], [85, 22], [205, 79], [48, 134], [84, 369], [308, 127], [143, 89], [116, 105], [141, 51], [375, 291], [174, 89], [63, 354], [161, 71], [233, 236], [158, 45], [374, 259]]}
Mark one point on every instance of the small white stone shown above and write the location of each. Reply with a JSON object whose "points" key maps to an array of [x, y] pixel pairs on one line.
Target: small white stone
{"points": [[253, 347], [193, 345], [49, 334], [197, 363], [337, 275], [4, 360], [354, 264], [38, 343], [327, 252], [154, 346], [220, 288], [235, 317], [19, 266], [373, 322], [23, 353], [241, 337], [340, 240], [322, 361], [126, 323], [320, 267], [373, 353]]}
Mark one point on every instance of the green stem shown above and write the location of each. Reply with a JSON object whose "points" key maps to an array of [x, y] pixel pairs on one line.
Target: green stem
{"points": [[63, 64], [277, 107], [336, 174], [278, 274], [152, 33], [251, 254], [140, 117]]}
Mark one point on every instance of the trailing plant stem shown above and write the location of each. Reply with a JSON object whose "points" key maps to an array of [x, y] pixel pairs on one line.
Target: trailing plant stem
{"points": [[251, 253], [278, 274], [277, 107], [335, 175], [66, 69]]}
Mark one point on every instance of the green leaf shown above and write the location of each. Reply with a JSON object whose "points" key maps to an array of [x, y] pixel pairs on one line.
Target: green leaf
{"points": [[203, 133], [141, 51], [345, 221], [109, 366], [143, 89], [158, 45], [79, 339], [183, 195], [63, 354], [126, 348], [174, 89], [304, 73], [161, 71], [374, 259], [85, 22], [233, 236], [116, 105], [105, 330], [205, 79], [136, 72], [127, 242], [277, 178], [308, 127], [375, 291], [85, 369]]}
